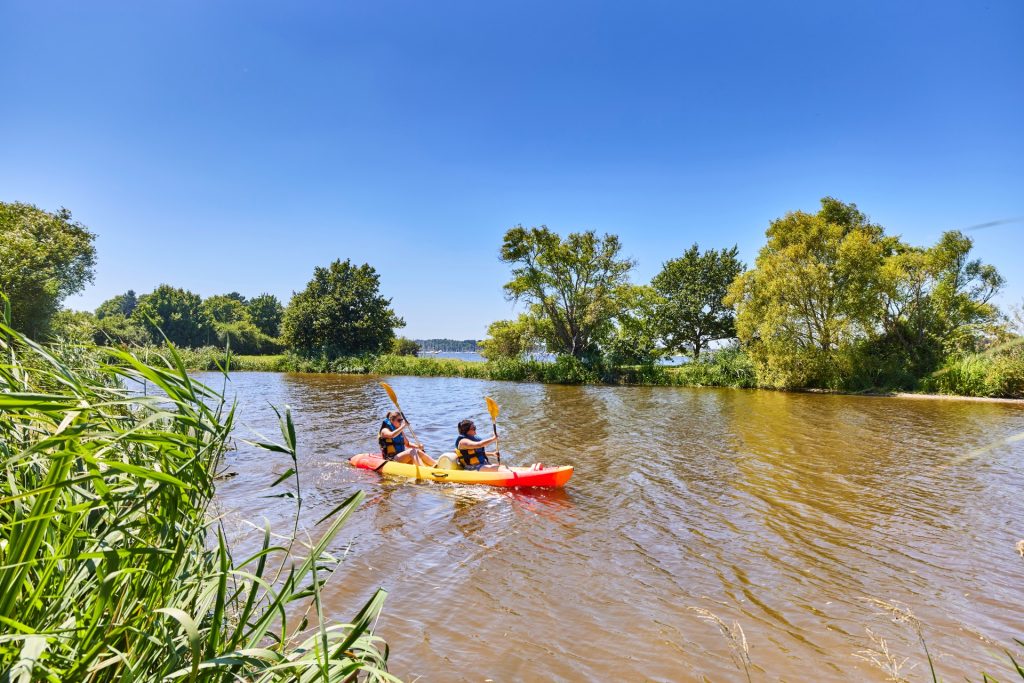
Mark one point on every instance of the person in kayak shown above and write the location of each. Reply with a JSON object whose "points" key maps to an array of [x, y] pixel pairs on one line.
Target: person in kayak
{"points": [[392, 443], [470, 450]]}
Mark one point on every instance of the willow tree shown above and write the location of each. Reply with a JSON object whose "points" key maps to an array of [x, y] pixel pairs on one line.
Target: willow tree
{"points": [[573, 285], [814, 292]]}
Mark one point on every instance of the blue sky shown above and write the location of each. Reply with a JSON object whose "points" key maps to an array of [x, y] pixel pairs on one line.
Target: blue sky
{"points": [[224, 146]]}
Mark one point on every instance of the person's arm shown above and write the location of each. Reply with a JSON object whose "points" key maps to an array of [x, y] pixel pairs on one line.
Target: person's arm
{"points": [[392, 433], [477, 444]]}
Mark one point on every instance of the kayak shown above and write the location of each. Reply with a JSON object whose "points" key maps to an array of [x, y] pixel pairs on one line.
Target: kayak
{"points": [[514, 476]]}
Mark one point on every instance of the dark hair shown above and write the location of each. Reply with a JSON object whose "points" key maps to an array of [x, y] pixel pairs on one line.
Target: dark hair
{"points": [[464, 426], [392, 414]]}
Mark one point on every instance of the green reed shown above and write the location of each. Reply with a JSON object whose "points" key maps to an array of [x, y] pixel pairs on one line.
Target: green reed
{"points": [[111, 565]]}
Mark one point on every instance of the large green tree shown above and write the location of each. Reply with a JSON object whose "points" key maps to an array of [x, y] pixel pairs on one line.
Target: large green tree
{"points": [[226, 308], [266, 313], [573, 285], [122, 304], [813, 293], [44, 257], [691, 313], [340, 312], [937, 300], [178, 313]]}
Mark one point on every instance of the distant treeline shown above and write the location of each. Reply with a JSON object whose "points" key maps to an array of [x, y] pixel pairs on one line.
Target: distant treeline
{"points": [[448, 345]]}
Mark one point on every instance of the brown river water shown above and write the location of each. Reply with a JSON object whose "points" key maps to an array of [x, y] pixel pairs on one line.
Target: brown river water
{"points": [[784, 514]]}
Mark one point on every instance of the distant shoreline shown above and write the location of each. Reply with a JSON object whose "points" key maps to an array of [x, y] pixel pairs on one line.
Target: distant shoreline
{"points": [[538, 372]]}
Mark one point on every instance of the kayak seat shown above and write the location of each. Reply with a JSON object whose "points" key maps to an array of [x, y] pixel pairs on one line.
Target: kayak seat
{"points": [[447, 461]]}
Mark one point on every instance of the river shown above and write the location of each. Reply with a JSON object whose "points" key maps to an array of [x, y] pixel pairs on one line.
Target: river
{"points": [[786, 514]]}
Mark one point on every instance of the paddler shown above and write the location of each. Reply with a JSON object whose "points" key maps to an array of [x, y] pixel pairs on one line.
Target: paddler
{"points": [[393, 445], [470, 450]]}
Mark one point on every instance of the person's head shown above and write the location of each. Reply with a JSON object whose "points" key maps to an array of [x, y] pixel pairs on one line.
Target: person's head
{"points": [[466, 426], [395, 417]]}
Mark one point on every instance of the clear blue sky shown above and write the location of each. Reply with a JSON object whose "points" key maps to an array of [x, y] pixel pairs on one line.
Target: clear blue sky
{"points": [[224, 146]]}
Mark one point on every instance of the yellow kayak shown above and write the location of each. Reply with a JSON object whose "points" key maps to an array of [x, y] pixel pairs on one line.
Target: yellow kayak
{"points": [[513, 476]]}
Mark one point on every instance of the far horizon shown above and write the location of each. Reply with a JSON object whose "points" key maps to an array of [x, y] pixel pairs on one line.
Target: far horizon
{"points": [[225, 148]]}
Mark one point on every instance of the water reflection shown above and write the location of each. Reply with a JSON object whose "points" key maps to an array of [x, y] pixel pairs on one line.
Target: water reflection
{"points": [[778, 511]]}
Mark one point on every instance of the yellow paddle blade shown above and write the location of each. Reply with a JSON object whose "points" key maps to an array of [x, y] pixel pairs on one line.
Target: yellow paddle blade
{"points": [[391, 393], [492, 407]]}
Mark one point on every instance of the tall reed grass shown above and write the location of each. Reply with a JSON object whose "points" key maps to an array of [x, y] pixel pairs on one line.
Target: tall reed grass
{"points": [[111, 567]]}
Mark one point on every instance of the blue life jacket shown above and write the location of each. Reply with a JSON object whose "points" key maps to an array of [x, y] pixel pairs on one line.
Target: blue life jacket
{"points": [[471, 458], [389, 448]]}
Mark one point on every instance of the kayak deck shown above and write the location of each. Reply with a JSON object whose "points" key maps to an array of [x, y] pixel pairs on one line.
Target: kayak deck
{"points": [[514, 476]]}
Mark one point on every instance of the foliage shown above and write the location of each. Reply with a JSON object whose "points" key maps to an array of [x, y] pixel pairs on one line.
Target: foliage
{"points": [[340, 313], [117, 330], [112, 565], [72, 326], [266, 313], [403, 346], [936, 301], [176, 313], [691, 313], [998, 374], [122, 304], [226, 308], [813, 293], [635, 339], [44, 258], [245, 338], [509, 338], [728, 367], [573, 285]]}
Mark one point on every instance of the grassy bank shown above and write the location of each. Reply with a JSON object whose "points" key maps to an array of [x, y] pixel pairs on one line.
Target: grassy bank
{"points": [[112, 566]]}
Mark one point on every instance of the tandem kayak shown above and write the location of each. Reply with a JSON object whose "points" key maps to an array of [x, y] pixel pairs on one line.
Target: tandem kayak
{"points": [[514, 476]]}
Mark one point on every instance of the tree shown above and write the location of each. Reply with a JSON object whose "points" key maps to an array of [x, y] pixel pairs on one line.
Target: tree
{"points": [[403, 346], [573, 285], [340, 312], [44, 258], [122, 304], [509, 338], [637, 329], [814, 291], [266, 313], [936, 300], [691, 313], [119, 330], [245, 338], [226, 308], [178, 313]]}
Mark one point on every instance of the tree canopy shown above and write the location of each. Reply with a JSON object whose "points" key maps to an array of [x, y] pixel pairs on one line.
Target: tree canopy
{"points": [[509, 338], [691, 312], [178, 313], [831, 295], [227, 308], [573, 285], [340, 312], [266, 313], [122, 304], [44, 258]]}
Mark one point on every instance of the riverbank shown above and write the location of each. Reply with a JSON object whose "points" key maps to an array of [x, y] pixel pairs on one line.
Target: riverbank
{"points": [[990, 379]]}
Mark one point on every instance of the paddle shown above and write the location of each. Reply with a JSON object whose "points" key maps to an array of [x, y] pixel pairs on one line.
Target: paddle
{"points": [[493, 409], [408, 425]]}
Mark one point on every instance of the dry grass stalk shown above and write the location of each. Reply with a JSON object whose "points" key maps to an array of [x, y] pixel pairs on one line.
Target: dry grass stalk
{"points": [[739, 650]]}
